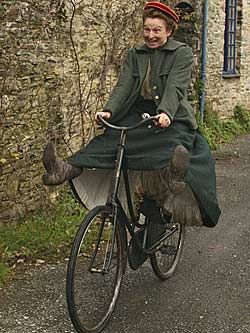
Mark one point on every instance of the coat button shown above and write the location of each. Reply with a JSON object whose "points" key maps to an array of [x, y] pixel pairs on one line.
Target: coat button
{"points": [[157, 97], [154, 87]]}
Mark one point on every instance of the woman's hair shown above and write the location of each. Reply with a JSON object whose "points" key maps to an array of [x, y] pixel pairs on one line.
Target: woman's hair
{"points": [[154, 13]]}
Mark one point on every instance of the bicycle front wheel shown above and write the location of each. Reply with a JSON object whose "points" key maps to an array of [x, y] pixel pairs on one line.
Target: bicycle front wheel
{"points": [[165, 260], [95, 271]]}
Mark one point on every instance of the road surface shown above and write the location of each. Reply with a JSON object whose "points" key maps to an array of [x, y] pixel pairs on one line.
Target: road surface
{"points": [[210, 292]]}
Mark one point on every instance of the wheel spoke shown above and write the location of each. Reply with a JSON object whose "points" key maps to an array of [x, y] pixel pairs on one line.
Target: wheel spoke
{"points": [[164, 261], [95, 272]]}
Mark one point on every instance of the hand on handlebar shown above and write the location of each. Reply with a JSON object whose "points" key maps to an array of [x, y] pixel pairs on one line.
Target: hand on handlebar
{"points": [[163, 120], [104, 114]]}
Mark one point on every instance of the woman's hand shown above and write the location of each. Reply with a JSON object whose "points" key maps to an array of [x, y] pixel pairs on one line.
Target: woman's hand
{"points": [[163, 121], [103, 114]]}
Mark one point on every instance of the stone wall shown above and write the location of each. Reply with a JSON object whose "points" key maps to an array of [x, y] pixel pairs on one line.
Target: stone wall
{"points": [[58, 63], [30, 41], [223, 94], [188, 31]]}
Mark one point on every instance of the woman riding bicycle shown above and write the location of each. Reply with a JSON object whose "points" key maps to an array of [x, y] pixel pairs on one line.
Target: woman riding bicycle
{"points": [[170, 161]]}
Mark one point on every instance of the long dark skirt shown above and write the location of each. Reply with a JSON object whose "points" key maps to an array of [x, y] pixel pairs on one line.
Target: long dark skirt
{"points": [[151, 149]]}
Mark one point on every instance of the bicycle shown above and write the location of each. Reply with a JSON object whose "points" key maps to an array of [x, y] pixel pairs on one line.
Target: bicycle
{"points": [[99, 253]]}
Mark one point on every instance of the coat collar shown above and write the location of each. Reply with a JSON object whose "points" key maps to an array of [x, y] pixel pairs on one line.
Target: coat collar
{"points": [[170, 45]]}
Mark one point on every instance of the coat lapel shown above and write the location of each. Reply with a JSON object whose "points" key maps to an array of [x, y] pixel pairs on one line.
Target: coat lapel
{"points": [[142, 61], [142, 55]]}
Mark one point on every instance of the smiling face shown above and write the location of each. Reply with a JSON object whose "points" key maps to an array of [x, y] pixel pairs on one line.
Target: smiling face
{"points": [[155, 32]]}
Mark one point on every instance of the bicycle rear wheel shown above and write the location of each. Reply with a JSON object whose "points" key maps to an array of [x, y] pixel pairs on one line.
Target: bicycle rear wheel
{"points": [[165, 260], [95, 271]]}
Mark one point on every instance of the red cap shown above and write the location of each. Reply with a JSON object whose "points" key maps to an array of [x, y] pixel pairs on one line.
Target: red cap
{"points": [[164, 8]]}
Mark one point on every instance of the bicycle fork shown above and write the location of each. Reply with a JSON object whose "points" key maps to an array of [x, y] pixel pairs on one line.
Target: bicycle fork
{"points": [[109, 253], [105, 265]]}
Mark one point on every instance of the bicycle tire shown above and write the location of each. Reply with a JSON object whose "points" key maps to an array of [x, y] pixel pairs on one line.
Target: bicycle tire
{"points": [[165, 260], [86, 291]]}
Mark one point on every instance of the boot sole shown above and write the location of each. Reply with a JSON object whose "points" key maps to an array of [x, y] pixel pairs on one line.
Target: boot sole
{"points": [[179, 164], [49, 157]]}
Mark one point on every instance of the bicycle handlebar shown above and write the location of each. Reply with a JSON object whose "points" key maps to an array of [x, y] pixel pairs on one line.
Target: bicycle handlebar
{"points": [[146, 116]]}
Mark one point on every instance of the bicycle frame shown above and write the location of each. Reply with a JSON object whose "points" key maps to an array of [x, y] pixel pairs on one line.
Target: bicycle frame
{"points": [[114, 202], [101, 246]]}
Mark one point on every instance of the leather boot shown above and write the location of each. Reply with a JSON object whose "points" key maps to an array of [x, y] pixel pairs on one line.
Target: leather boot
{"points": [[157, 221], [136, 257], [178, 168], [57, 170]]}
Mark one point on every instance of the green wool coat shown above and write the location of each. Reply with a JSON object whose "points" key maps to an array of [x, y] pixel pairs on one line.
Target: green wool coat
{"points": [[151, 148], [170, 77]]}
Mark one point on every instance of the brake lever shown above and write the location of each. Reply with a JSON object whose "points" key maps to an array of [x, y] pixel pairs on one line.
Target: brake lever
{"points": [[146, 115]]}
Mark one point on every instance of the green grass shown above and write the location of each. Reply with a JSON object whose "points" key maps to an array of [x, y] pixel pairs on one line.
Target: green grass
{"points": [[220, 131], [4, 273], [45, 237]]}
